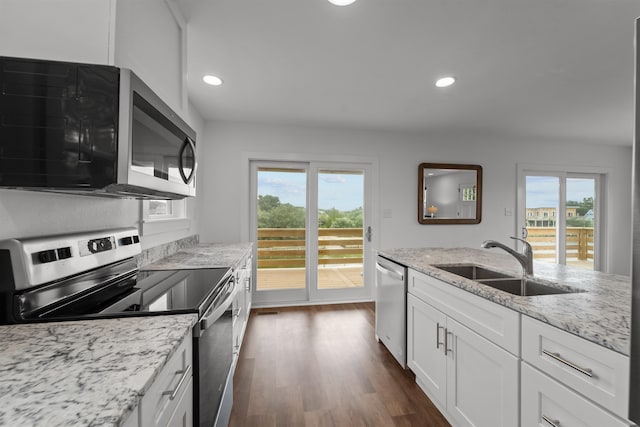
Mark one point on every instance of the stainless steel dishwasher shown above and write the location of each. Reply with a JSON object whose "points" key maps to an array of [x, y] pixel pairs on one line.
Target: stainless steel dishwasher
{"points": [[391, 307]]}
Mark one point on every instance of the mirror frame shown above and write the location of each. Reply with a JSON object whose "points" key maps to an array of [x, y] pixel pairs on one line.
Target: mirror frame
{"points": [[421, 217]]}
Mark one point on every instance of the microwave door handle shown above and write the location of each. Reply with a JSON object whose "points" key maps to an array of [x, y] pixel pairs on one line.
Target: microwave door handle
{"points": [[187, 141]]}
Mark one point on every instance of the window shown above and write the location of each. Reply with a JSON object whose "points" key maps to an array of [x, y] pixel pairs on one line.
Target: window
{"points": [[161, 216], [575, 198]]}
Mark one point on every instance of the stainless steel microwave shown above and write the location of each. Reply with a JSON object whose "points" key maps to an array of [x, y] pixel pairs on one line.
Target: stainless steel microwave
{"points": [[90, 129]]}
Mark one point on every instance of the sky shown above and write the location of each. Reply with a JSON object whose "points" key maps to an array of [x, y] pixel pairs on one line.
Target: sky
{"points": [[335, 190], [542, 191]]}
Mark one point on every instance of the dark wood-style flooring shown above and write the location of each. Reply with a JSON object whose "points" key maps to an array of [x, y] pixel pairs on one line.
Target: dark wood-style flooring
{"points": [[322, 366]]}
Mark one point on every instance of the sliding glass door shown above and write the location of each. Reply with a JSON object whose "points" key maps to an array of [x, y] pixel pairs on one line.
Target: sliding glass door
{"points": [[310, 229], [562, 217]]}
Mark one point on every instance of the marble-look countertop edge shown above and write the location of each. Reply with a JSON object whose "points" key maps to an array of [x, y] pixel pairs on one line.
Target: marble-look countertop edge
{"points": [[57, 371], [600, 315]]}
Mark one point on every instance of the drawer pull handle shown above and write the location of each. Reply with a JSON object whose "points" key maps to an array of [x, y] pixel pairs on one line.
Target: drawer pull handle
{"points": [[185, 374], [553, 423], [438, 327], [586, 371], [447, 350]]}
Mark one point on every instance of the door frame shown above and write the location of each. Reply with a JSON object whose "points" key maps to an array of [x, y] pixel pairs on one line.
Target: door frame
{"points": [[602, 208], [247, 222]]}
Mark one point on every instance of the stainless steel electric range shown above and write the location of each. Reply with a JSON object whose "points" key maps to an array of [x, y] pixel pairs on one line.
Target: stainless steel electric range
{"points": [[94, 275]]}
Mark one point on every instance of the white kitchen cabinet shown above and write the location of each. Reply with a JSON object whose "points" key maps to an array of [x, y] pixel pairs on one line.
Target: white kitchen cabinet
{"points": [[596, 372], [170, 397], [472, 380], [496, 323], [150, 39], [482, 380], [548, 403], [147, 36], [242, 303], [425, 348], [183, 414], [62, 30]]}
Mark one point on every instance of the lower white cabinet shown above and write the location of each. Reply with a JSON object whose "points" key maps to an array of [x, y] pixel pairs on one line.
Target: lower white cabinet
{"points": [[425, 348], [183, 414], [473, 381], [169, 400], [548, 403]]}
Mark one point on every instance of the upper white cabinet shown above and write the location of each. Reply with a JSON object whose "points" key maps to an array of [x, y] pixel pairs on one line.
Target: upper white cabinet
{"points": [[147, 36], [149, 39], [62, 30]]}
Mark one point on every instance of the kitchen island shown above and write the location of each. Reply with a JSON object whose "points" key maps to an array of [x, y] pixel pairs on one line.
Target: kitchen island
{"points": [[600, 315], [554, 358], [83, 373]]}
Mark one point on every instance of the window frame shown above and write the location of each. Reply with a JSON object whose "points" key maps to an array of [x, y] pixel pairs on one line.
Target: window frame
{"points": [[601, 175], [177, 220]]}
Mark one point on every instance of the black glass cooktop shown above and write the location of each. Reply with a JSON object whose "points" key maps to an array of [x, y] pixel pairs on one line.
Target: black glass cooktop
{"points": [[142, 292]]}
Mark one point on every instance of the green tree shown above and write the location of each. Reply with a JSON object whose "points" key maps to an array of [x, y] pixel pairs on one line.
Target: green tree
{"points": [[282, 216], [268, 202]]}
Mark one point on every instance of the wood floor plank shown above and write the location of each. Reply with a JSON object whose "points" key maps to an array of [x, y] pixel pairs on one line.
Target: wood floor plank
{"points": [[321, 366]]}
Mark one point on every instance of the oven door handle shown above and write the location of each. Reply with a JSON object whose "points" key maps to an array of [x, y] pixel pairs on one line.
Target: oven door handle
{"points": [[214, 313]]}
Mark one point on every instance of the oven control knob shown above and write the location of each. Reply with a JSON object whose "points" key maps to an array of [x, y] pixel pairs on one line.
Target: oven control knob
{"points": [[99, 245], [46, 256]]}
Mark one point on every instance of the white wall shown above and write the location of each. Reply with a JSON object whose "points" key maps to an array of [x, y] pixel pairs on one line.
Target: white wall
{"points": [[221, 190]]}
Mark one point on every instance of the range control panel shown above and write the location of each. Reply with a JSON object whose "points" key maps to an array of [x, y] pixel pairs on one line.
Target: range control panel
{"points": [[41, 260]]}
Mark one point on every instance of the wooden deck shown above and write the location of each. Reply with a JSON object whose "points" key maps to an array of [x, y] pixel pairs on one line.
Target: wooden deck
{"points": [[329, 277]]}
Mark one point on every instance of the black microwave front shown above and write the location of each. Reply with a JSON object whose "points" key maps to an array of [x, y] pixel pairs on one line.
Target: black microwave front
{"points": [[90, 129]]}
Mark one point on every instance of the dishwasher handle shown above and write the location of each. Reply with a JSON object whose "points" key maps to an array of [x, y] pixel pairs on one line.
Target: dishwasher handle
{"points": [[386, 270]]}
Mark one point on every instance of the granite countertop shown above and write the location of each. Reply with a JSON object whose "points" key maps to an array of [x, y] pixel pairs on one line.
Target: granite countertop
{"points": [[203, 255], [601, 314], [83, 373]]}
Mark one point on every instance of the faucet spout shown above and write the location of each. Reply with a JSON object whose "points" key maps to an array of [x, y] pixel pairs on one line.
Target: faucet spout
{"points": [[525, 258]]}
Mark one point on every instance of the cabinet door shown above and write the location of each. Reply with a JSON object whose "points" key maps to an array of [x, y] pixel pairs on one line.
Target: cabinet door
{"points": [[425, 348], [183, 415], [65, 30], [482, 380], [546, 402]]}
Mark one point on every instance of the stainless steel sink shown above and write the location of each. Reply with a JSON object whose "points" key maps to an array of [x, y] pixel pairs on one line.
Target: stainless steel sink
{"points": [[527, 287], [473, 272], [503, 282]]}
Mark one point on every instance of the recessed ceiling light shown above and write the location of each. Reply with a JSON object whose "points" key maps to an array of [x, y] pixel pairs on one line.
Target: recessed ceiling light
{"points": [[341, 2], [212, 80], [445, 81]]}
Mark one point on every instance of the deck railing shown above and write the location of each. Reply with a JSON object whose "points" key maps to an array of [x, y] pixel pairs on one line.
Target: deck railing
{"points": [[579, 244], [286, 247]]}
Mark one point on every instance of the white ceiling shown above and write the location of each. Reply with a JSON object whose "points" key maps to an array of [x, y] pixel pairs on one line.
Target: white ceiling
{"points": [[527, 69]]}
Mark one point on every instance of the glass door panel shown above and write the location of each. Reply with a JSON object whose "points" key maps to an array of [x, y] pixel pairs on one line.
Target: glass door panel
{"points": [[281, 229], [541, 213], [340, 211], [580, 220]]}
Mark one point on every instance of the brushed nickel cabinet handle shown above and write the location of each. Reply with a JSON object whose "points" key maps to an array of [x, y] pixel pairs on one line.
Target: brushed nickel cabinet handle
{"points": [[185, 374], [556, 356], [447, 350], [438, 327], [553, 423]]}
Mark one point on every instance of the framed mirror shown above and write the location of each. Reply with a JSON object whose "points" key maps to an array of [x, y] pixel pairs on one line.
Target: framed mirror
{"points": [[449, 193]]}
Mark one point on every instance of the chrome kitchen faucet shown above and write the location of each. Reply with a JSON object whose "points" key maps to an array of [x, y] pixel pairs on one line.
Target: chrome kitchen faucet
{"points": [[525, 258]]}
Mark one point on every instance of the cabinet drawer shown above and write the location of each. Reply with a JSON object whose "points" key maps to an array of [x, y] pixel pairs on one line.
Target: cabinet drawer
{"points": [[598, 373], [543, 397], [494, 322], [157, 407]]}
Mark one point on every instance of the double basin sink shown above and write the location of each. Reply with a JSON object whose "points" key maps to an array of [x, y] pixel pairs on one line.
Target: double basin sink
{"points": [[514, 285]]}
